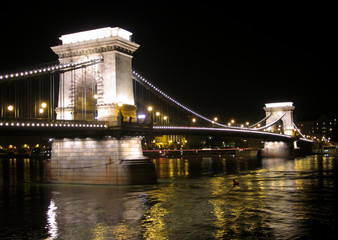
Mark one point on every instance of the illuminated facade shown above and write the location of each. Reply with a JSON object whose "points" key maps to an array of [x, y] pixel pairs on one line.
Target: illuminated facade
{"points": [[282, 111], [101, 90]]}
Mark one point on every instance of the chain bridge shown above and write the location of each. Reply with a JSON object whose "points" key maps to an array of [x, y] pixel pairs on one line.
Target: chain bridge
{"points": [[96, 108]]}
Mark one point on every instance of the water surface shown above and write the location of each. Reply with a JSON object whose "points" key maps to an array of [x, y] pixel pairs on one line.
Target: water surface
{"points": [[194, 199]]}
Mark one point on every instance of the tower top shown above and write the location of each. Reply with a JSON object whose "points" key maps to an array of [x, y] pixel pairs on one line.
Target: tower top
{"points": [[278, 104], [95, 34]]}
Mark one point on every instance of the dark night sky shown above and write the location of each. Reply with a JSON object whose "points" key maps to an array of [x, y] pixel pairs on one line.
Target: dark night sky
{"points": [[216, 60]]}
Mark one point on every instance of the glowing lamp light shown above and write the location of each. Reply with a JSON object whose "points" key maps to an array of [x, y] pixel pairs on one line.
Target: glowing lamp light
{"points": [[10, 108], [43, 105], [150, 108]]}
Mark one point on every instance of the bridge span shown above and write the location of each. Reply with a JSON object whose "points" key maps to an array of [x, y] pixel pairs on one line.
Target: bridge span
{"points": [[91, 107], [73, 128]]}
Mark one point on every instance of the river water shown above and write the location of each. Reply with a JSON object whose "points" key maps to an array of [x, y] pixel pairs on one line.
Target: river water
{"points": [[194, 199]]}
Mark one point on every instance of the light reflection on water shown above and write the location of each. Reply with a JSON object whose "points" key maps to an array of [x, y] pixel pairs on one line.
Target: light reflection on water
{"points": [[194, 199]]}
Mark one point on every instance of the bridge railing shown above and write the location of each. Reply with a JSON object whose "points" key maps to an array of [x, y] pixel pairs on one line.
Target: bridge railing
{"points": [[51, 123]]}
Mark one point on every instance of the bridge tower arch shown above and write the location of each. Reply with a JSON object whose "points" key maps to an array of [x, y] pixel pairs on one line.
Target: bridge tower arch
{"points": [[282, 111], [99, 91]]}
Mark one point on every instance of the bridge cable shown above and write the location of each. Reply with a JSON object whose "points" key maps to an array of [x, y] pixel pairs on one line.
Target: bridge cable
{"points": [[51, 69], [298, 130], [274, 122], [137, 77], [251, 126]]}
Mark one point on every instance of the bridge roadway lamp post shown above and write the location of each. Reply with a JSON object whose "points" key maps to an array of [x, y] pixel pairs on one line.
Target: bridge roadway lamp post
{"points": [[150, 114], [193, 121], [42, 109], [10, 109]]}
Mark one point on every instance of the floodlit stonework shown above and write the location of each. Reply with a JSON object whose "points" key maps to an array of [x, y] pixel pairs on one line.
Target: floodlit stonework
{"points": [[283, 110], [100, 91], [96, 90], [100, 161]]}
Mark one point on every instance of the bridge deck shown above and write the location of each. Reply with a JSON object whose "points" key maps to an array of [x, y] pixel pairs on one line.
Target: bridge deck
{"points": [[72, 129]]}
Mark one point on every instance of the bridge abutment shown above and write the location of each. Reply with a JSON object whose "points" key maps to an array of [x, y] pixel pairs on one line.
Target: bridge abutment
{"points": [[100, 161], [277, 149]]}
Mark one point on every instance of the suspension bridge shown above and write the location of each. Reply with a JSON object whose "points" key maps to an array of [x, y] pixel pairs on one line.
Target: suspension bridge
{"points": [[92, 92]]}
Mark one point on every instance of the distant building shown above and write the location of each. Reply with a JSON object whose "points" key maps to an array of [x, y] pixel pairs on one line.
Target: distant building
{"points": [[321, 128]]}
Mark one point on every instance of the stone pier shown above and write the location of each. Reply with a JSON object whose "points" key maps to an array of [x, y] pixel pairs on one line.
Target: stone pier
{"points": [[100, 161], [277, 149]]}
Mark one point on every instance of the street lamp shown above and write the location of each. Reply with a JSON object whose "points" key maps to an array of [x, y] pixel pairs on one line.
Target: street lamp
{"points": [[10, 108], [151, 118], [42, 107]]}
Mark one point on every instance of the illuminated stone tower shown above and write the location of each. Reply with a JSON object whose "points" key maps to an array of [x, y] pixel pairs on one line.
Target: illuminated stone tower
{"points": [[101, 90], [277, 110], [98, 91]]}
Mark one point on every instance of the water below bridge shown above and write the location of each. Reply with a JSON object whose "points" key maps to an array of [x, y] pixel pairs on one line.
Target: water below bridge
{"points": [[194, 199]]}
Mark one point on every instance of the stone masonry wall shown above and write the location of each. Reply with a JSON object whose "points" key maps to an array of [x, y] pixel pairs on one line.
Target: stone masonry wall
{"points": [[100, 161]]}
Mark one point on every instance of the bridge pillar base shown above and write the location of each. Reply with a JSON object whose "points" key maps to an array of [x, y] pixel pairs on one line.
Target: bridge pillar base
{"points": [[99, 161], [110, 113], [276, 149]]}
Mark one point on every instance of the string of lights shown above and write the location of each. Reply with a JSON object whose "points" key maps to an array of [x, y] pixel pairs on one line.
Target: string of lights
{"points": [[272, 123], [141, 79], [44, 70]]}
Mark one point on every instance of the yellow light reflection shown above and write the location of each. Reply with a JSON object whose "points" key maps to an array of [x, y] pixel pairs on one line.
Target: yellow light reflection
{"points": [[153, 224]]}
